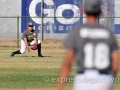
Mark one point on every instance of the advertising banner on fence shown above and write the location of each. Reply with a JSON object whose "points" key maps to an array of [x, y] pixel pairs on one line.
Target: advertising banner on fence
{"points": [[58, 15]]}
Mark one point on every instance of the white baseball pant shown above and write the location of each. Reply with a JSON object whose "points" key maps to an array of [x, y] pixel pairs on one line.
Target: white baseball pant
{"points": [[92, 80], [23, 47]]}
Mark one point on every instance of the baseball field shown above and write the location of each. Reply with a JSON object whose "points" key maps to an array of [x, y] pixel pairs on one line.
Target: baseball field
{"points": [[29, 72]]}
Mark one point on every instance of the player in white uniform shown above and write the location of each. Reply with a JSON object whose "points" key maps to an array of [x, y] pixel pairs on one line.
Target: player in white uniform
{"points": [[29, 38], [95, 50]]}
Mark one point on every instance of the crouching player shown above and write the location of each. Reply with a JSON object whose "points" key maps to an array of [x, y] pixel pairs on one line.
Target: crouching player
{"points": [[29, 38]]}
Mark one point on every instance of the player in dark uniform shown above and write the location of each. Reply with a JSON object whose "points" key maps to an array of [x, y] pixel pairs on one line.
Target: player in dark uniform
{"points": [[29, 38], [95, 50]]}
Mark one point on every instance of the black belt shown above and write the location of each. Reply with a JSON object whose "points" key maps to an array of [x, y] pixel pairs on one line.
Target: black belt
{"points": [[101, 72]]}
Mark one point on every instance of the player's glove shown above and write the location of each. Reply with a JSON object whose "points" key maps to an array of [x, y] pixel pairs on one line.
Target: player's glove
{"points": [[34, 47]]}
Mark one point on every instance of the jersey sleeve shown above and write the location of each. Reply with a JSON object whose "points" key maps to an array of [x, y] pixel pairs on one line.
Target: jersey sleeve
{"points": [[69, 42], [114, 45], [24, 35]]}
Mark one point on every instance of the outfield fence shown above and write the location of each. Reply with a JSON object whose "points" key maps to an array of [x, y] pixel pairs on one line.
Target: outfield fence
{"points": [[10, 32]]}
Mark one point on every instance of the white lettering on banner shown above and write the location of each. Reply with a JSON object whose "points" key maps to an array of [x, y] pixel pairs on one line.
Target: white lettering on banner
{"points": [[40, 27], [72, 7], [50, 12], [55, 28], [61, 28], [68, 27], [49, 27]]}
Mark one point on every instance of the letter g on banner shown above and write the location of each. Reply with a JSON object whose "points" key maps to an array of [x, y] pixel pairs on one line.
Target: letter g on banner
{"points": [[72, 7], [49, 12]]}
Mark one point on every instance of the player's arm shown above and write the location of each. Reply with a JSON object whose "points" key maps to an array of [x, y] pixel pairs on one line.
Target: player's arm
{"points": [[35, 41], [26, 44], [35, 38], [115, 61], [65, 69], [114, 53]]}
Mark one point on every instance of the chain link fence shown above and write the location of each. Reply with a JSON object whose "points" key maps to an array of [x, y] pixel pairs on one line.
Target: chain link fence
{"points": [[10, 33]]}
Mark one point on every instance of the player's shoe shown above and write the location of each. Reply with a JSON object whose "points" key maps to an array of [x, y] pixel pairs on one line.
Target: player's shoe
{"points": [[40, 55], [12, 54]]}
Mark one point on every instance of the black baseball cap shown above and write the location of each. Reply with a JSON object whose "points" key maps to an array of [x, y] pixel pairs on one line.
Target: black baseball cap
{"points": [[30, 24], [92, 6]]}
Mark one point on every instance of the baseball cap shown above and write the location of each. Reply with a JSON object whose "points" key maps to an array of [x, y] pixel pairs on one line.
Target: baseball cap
{"points": [[30, 24], [92, 6]]}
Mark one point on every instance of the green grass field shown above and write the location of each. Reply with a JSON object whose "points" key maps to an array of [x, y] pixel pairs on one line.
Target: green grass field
{"points": [[29, 71]]}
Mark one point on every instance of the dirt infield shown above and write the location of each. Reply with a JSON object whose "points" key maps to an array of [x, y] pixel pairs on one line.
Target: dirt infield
{"points": [[32, 89], [47, 43], [39, 89]]}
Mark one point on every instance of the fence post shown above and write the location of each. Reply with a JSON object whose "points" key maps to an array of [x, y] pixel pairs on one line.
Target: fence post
{"points": [[17, 31], [42, 19]]}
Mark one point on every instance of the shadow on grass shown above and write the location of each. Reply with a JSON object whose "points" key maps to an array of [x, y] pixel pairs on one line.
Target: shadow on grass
{"points": [[35, 56]]}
